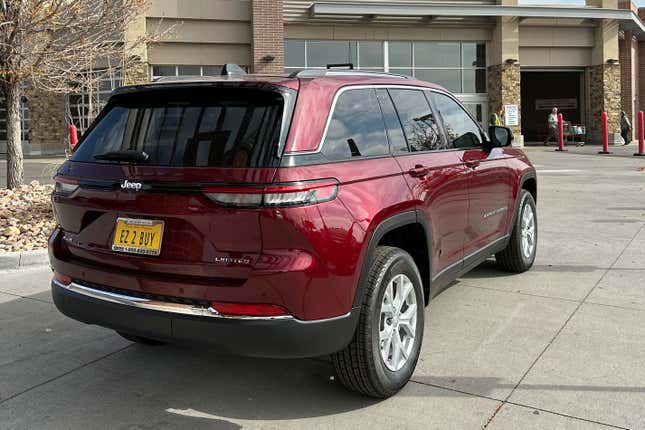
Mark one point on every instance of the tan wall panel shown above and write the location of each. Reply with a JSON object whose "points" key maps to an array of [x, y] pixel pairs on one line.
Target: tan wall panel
{"points": [[201, 31], [555, 57], [198, 54], [368, 32], [225, 10], [557, 36]]}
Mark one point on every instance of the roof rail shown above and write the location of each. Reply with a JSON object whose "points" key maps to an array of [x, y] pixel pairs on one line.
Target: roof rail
{"points": [[319, 73]]}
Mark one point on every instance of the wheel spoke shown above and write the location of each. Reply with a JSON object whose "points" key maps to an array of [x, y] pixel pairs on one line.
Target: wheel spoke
{"points": [[396, 348]]}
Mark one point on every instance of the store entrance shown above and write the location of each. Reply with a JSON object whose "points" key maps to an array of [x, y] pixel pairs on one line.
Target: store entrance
{"points": [[544, 90]]}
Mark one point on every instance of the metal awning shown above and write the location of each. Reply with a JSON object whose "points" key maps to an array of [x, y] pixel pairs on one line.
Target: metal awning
{"points": [[628, 19]]}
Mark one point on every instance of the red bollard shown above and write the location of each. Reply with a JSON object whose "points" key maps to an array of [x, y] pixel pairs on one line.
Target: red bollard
{"points": [[641, 138], [560, 133], [73, 137], [605, 134]]}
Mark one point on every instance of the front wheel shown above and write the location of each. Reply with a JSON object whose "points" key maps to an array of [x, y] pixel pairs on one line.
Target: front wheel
{"points": [[381, 357], [519, 254]]}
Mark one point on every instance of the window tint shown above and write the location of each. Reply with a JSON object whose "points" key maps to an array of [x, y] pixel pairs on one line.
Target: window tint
{"points": [[419, 123], [193, 128], [392, 123], [356, 128], [461, 130]]}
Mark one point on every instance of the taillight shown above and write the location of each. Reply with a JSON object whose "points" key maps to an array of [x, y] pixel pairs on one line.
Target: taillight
{"points": [[249, 309], [276, 195], [65, 185]]}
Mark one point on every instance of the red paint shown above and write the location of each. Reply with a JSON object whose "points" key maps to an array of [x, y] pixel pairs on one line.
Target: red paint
{"points": [[641, 135], [304, 260], [560, 132], [73, 137], [605, 134]]}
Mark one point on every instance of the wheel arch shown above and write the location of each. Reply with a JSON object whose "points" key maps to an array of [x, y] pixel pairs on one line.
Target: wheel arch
{"points": [[528, 182], [405, 230]]}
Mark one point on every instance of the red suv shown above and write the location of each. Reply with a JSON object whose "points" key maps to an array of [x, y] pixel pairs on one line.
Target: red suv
{"points": [[286, 216]]}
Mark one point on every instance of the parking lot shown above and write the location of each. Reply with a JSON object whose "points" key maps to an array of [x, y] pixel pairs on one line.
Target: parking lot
{"points": [[561, 346]]}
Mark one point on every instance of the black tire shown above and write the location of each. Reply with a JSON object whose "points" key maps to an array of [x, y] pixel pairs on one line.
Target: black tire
{"points": [[359, 366], [512, 258], [140, 339]]}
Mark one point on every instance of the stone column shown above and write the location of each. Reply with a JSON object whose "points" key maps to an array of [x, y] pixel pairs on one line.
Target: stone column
{"points": [[267, 37], [604, 83], [47, 125], [503, 72]]}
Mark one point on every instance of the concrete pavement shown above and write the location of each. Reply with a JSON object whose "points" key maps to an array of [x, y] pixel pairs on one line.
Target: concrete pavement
{"points": [[559, 347]]}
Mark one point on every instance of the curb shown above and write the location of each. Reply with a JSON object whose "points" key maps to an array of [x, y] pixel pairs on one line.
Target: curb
{"points": [[23, 259]]}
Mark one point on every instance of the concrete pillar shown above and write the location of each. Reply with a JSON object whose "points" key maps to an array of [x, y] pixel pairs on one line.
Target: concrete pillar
{"points": [[137, 68], [267, 30], [503, 73], [604, 82]]}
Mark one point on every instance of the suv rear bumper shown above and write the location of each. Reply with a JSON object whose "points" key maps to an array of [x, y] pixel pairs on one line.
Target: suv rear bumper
{"points": [[282, 337]]}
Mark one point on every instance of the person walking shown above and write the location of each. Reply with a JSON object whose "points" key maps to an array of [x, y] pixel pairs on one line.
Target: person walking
{"points": [[625, 128], [552, 126]]}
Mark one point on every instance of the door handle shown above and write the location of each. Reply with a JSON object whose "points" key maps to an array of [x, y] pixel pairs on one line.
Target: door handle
{"points": [[418, 171], [472, 163]]}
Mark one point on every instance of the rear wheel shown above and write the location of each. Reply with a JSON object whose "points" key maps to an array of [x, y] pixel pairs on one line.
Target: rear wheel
{"points": [[519, 254], [140, 339], [384, 351]]}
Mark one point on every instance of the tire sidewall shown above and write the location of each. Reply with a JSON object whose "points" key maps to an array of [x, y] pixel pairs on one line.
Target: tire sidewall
{"points": [[527, 200], [400, 263]]}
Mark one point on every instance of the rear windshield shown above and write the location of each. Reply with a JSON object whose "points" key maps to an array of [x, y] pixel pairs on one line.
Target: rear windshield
{"points": [[196, 127]]}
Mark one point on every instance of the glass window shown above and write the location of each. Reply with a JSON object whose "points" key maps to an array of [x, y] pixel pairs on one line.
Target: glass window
{"points": [[356, 128], [294, 53], [419, 123], [461, 130], [473, 55], [449, 79], [212, 70], [473, 81], [164, 71], [400, 54], [193, 128], [436, 54], [392, 123], [189, 70], [370, 54], [320, 53]]}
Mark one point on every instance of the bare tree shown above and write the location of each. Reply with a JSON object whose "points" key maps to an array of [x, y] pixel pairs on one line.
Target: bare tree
{"points": [[55, 45]]}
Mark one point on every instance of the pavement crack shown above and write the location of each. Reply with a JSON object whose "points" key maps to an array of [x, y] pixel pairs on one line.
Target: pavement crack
{"points": [[566, 322]]}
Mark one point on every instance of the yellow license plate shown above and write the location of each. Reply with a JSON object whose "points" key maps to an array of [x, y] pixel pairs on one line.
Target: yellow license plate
{"points": [[138, 236]]}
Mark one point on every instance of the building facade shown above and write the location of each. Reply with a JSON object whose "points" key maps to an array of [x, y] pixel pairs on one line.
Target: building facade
{"points": [[496, 55]]}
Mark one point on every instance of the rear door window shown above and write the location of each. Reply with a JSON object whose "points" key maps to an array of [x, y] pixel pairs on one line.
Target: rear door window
{"points": [[462, 131], [419, 122], [356, 128], [191, 128]]}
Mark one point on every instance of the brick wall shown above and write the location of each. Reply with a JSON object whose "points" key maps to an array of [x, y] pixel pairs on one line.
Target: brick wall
{"points": [[268, 36]]}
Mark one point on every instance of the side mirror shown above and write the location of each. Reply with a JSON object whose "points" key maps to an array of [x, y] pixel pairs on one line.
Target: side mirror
{"points": [[500, 136]]}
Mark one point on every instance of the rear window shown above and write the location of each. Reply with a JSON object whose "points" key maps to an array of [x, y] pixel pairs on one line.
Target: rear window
{"points": [[196, 127]]}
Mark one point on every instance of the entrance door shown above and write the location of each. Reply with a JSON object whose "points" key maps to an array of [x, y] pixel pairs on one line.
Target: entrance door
{"points": [[541, 91]]}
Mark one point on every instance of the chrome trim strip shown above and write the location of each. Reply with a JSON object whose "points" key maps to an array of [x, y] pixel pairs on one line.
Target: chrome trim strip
{"points": [[368, 86], [174, 308]]}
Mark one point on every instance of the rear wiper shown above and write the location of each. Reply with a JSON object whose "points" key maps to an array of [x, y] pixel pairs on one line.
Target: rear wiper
{"points": [[124, 155]]}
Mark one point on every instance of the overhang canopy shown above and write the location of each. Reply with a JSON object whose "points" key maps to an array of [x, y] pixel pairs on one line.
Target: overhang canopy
{"points": [[628, 19]]}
